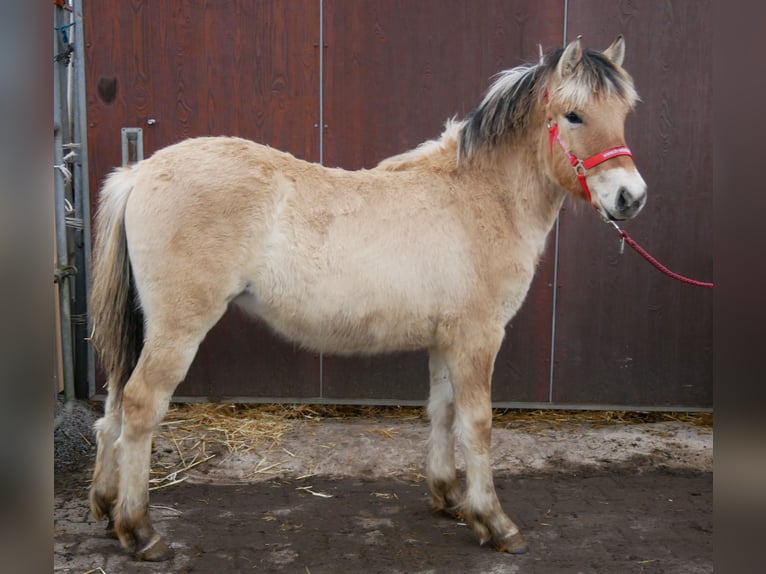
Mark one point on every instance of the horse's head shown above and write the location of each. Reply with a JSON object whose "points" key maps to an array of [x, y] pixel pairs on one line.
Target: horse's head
{"points": [[587, 98]]}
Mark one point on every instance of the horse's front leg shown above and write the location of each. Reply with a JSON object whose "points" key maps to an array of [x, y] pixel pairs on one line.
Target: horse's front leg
{"points": [[471, 371], [440, 463]]}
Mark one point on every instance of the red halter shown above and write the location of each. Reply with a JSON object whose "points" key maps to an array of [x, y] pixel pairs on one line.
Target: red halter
{"points": [[580, 166]]}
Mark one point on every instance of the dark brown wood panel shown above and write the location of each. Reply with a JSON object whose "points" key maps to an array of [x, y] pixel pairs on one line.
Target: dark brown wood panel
{"points": [[626, 334], [219, 67], [394, 73], [241, 358]]}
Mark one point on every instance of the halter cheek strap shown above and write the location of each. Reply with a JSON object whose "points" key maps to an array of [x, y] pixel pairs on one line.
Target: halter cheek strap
{"points": [[581, 167]]}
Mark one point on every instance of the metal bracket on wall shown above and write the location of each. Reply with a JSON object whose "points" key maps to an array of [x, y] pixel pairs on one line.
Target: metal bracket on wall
{"points": [[132, 145]]}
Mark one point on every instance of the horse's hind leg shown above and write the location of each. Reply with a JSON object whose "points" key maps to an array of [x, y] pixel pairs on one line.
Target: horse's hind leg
{"points": [[471, 363], [440, 462], [103, 491], [162, 365], [168, 351]]}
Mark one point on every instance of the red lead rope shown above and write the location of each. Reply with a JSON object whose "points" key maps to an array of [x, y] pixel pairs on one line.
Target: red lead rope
{"points": [[643, 253]]}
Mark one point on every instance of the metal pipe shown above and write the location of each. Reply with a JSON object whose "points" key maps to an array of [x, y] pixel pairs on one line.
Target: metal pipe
{"points": [[556, 238], [82, 188], [321, 144], [62, 254]]}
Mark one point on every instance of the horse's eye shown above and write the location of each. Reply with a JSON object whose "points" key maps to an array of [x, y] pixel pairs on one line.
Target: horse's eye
{"points": [[573, 118]]}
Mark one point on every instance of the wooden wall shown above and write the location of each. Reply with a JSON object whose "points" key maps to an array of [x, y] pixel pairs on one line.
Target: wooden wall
{"points": [[393, 72], [625, 333]]}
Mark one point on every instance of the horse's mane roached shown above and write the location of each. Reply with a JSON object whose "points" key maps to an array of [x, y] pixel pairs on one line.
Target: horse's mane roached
{"points": [[508, 104]]}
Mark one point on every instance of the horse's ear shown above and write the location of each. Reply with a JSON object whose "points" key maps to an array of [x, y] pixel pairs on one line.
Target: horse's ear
{"points": [[616, 52], [570, 58]]}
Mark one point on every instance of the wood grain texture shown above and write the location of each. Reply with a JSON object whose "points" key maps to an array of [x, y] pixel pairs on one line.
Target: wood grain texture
{"points": [[218, 67], [225, 67], [394, 71], [626, 334]]}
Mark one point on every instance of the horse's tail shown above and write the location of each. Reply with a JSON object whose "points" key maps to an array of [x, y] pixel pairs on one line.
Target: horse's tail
{"points": [[118, 323]]}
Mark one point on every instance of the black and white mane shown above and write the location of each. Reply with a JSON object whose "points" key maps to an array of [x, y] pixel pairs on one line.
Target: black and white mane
{"points": [[512, 98]]}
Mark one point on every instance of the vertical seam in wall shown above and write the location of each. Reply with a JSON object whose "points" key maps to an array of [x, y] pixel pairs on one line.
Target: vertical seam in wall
{"points": [[321, 145], [556, 258], [553, 310], [321, 83]]}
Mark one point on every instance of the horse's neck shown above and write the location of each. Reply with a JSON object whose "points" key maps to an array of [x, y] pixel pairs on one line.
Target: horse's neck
{"points": [[515, 175], [530, 196]]}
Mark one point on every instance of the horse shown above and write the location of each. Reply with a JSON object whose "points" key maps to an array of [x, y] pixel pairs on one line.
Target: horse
{"points": [[431, 249]]}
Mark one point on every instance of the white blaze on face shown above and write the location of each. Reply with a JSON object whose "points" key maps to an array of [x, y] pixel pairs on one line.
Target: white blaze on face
{"points": [[620, 192]]}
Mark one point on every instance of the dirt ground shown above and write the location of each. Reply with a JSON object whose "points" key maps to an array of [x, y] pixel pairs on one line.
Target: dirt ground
{"points": [[348, 495]]}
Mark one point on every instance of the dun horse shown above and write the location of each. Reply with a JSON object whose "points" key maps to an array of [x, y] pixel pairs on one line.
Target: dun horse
{"points": [[432, 249]]}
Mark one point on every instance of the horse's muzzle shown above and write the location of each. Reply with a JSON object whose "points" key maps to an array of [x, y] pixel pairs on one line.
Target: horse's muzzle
{"points": [[628, 204]]}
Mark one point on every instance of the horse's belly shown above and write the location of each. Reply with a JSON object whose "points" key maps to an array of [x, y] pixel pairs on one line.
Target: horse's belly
{"points": [[372, 282], [342, 327]]}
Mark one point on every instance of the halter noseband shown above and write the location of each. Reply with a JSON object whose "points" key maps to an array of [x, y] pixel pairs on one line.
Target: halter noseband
{"points": [[581, 166]]}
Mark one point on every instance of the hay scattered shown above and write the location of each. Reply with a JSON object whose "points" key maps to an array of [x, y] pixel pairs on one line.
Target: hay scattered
{"points": [[193, 434], [386, 495], [310, 490], [519, 417]]}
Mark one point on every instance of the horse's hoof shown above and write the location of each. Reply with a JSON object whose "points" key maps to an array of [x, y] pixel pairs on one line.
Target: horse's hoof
{"points": [[110, 531], [100, 506], [156, 551], [455, 511], [514, 544]]}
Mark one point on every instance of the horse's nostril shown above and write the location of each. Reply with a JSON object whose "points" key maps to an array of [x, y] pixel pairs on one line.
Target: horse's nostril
{"points": [[626, 202]]}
